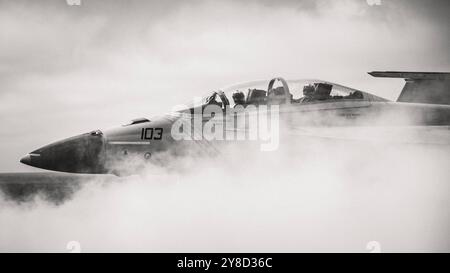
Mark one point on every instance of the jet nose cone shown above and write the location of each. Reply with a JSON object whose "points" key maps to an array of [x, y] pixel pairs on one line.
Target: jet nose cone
{"points": [[26, 160], [31, 159], [79, 154]]}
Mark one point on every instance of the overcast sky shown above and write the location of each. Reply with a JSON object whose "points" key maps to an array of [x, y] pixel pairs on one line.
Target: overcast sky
{"points": [[67, 69]]}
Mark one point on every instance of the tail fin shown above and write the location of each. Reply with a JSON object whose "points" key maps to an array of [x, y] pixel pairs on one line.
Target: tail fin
{"points": [[421, 87]]}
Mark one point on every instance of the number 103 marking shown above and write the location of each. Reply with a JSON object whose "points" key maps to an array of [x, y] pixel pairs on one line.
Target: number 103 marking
{"points": [[151, 133]]}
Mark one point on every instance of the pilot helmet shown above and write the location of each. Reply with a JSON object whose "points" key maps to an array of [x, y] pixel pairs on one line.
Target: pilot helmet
{"points": [[308, 89], [238, 96]]}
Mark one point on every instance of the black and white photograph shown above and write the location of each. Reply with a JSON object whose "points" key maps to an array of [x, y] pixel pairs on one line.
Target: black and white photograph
{"points": [[225, 126]]}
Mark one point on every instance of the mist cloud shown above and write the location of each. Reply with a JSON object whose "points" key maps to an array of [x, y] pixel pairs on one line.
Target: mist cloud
{"points": [[312, 195]]}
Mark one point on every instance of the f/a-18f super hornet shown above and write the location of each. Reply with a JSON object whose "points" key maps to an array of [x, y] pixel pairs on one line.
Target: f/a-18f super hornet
{"points": [[305, 105]]}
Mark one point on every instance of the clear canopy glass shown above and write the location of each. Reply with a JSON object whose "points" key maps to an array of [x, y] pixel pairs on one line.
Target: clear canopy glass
{"points": [[279, 91]]}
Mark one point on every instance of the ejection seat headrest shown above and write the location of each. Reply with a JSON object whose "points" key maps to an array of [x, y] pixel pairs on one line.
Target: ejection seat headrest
{"points": [[256, 96]]}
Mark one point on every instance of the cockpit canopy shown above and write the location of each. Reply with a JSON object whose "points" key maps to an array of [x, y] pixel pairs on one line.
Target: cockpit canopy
{"points": [[282, 92]]}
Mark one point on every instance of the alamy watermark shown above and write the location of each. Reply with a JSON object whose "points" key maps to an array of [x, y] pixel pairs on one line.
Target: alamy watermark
{"points": [[212, 122], [374, 2], [73, 2], [73, 247], [373, 247]]}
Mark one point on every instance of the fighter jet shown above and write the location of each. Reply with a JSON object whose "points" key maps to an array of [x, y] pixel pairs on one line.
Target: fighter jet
{"points": [[305, 105]]}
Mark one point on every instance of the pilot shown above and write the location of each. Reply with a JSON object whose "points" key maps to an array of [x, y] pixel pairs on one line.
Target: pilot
{"points": [[238, 97], [356, 95], [308, 93]]}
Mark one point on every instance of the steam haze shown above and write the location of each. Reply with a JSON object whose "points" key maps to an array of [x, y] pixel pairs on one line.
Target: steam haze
{"points": [[66, 70]]}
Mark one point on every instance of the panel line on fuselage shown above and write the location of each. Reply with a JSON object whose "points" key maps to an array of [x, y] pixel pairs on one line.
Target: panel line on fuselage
{"points": [[129, 143]]}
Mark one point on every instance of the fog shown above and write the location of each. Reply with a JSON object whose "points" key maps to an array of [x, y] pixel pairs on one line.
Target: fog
{"points": [[66, 70], [312, 195]]}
